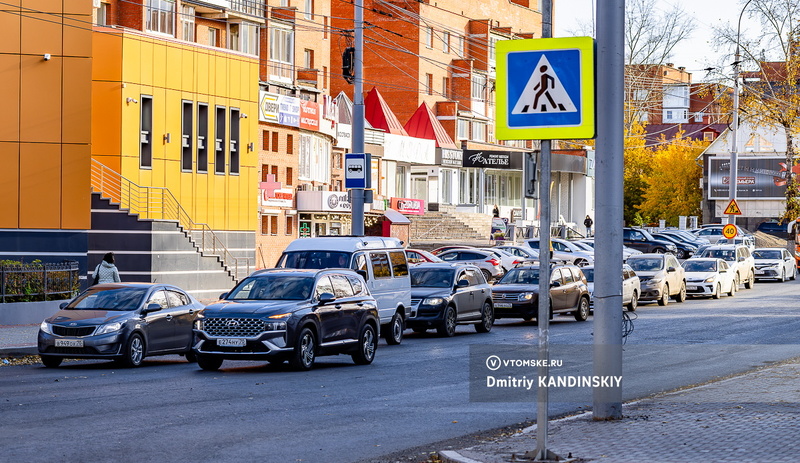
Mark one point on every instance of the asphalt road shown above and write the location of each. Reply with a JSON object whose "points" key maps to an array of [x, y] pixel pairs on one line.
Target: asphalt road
{"points": [[414, 394]]}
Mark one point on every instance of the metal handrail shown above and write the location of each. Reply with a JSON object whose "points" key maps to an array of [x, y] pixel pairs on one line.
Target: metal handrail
{"points": [[158, 203]]}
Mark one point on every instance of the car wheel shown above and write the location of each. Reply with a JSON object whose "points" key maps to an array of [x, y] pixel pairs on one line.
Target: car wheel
{"points": [[717, 291], [794, 274], [487, 318], [634, 302], [50, 361], [582, 314], [367, 343], [664, 296], [133, 353], [191, 357], [751, 281], [783, 275], [681, 296], [209, 363], [733, 289], [580, 262], [394, 335], [682, 254], [304, 351], [448, 326], [486, 274]]}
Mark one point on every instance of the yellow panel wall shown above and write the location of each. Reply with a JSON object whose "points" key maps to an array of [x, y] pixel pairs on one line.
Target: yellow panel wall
{"points": [[9, 184]]}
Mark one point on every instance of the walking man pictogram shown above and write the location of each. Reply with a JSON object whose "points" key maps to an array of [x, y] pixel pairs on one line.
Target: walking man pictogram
{"points": [[546, 82]]}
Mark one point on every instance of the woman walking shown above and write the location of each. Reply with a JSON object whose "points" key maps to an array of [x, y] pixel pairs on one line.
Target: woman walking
{"points": [[106, 271]]}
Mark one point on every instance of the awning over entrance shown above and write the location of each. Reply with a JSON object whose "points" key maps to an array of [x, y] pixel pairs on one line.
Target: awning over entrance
{"points": [[378, 113], [423, 124]]}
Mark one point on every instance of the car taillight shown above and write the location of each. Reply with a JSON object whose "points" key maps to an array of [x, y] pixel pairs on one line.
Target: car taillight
{"points": [[517, 262], [494, 262]]}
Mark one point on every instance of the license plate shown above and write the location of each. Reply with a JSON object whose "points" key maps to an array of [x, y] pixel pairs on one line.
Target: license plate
{"points": [[503, 305], [691, 288], [760, 272], [231, 342], [69, 342]]}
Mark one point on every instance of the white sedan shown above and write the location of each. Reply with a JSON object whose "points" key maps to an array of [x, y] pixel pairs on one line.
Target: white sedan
{"points": [[709, 277], [774, 263]]}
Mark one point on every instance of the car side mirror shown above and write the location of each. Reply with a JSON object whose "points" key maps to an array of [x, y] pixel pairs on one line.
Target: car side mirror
{"points": [[671, 269], [462, 283], [723, 271], [152, 307], [363, 273], [223, 295], [555, 284], [326, 298], [63, 305]]}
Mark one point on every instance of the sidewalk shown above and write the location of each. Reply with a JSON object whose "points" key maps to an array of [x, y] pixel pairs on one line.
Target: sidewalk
{"points": [[754, 417], [18, 340]]}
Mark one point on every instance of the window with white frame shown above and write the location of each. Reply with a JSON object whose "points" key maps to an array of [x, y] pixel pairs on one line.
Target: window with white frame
{"points": [[309, 9], [160, 16], [460, 46], [281, 52], [676, 116], [429, 37], [478, 87], [248, 38], [103, 14], [447, 186], [492, 47], [187, 23], [462, 129], [467, 185], [478, 131], [446, 42], [213, 37]]}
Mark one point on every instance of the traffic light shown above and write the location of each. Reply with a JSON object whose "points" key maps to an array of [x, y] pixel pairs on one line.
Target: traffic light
{"points": [[348, 64]]}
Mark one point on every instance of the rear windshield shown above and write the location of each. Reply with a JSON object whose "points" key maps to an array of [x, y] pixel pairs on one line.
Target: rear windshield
{"points": [[315, 259], [589, 274]]}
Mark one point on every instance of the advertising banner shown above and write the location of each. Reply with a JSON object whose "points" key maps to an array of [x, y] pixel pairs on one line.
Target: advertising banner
{"points": [[493, 159], [309, 115], [762, 177], [408, 206]]}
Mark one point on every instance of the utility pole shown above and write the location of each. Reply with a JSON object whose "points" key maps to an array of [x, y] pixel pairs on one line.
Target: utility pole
{"points": [[357, 194], [609, 161], [733, 175]]}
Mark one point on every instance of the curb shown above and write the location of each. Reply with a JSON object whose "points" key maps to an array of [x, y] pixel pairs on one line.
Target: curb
{"points": [[451, 456], [21, 351]]}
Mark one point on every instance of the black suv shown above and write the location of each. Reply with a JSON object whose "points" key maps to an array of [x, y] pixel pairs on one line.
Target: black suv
{"points": [[289, 314], [642, 240]]}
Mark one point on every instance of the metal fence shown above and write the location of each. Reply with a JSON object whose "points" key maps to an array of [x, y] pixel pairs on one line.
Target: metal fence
{"points": [[38, 282]]}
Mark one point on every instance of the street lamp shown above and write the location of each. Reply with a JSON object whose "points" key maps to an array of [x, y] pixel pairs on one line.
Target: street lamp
{"points": [[733, 177]]}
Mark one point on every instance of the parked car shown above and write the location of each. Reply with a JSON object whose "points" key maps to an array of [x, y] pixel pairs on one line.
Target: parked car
{"points": [[713, 232], [125, 322], [738, 258], [684, 250], [643, 241], [524, 252], [507, 260], [290, 314], [631, 287], [626, 251], [444, 295], [489, 264], [746, 240], [661, 277], [442, 249], [686, 236], [774, 263], [381, 261], [709, 277], [516, 295], [416, 256], [774, 228], [566, 251]]}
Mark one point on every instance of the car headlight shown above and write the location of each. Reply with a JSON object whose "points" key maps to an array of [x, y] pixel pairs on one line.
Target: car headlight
{"points": [[655, 281], [526, 296], [46, 327], [433, 301], [280, 326], [710, 279], [198, 324], [108, 328]]}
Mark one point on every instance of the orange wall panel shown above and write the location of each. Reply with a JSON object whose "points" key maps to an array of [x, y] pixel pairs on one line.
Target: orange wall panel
{"points": [[40, 185], [81, 7], [107, 53], [75, 187], [106, 119], [10, 25], [77, 108], [45, 6], [77, 36], [40, 117], [9, 185], [9, 95], [41, 33]]}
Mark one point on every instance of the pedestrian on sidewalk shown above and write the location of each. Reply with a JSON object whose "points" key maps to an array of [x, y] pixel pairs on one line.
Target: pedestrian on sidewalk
{"points": [[588, 222], [106, 271], [496, 211]]}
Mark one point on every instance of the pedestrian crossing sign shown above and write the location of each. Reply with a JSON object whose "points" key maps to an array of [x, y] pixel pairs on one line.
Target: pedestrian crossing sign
{"points": [[545, 89]]}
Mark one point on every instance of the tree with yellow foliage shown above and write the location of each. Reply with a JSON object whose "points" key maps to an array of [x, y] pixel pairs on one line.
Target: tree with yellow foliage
{"points": [[638, 164]]}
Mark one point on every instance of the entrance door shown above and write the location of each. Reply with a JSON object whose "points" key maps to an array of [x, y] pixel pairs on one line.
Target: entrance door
{"points": [[419, 188]]}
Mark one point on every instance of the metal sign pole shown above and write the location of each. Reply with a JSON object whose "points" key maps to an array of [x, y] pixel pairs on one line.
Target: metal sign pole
{"points": [[357, 194]]}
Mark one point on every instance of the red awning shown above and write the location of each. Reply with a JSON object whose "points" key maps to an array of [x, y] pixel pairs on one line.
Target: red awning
{"points": [[377, 112], [423, 124]]}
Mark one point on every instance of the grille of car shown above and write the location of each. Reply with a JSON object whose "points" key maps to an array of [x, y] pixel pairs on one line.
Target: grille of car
{"points": [[760, 266], [695, 280], [68, 331], [643, 279], [233, 327], [506, 296]]}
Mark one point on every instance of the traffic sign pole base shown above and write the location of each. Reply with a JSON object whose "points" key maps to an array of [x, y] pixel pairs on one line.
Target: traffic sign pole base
{"points": [[542, 456]]}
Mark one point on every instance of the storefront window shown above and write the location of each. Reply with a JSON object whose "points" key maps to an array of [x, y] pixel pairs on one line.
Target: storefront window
{"points": [[467, 186], [400, 182], [447, 186]]}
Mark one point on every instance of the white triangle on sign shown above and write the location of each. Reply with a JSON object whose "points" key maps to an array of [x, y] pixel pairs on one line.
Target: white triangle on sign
{"points": [[544, 93]]}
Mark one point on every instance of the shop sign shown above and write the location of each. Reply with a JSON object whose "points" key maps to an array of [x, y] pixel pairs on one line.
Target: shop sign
{"points": [[280, 198], [289, 111], [309, 115], [305, 229], [268, 107], [344, 134], [408, 206], [335, 201], [493, 159], [446, 157]]}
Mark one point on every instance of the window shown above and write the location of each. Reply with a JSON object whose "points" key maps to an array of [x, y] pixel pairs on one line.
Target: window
{"points": [[265, 140], [708, 136], [160, 16], [187, 23], [273, 225], [341, 286], [324, 76], [289, 225], [460, 46], [400, 181], [308, 58], [213, 37], [264, 172], [324, 27], [219, 141], [281, 52], [234, 42], [698, 117], [399, 264], [248, 38], [202, 137], [478, 87], [447, 186], [146, 131], [289, 176], [429, 37], [186, 136], [446, 42], [274, 142], [445, 86], [235, 146], [429, 84], [265, 225], [380, 264], [478, 131], [104, 14], [462, 129], [274, 172], [289, 144], [309, 9]]}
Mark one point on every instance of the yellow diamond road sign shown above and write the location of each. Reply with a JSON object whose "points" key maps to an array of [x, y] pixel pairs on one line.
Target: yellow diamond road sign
{"points": [[733, 208], [545, 89]]}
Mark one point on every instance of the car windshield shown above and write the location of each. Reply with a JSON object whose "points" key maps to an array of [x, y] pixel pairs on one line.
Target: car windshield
{"points": [[646, 264], [726, 254], [589, 274], [767, 254], [521, 276], [432, 277], [273, 287], [315, 259], [121, 299], [700, 266]]}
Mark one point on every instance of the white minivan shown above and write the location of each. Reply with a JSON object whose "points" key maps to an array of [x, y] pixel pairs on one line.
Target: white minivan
{"points": [[381, 261]]}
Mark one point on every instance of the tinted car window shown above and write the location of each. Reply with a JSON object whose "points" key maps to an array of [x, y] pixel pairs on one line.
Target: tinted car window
{"points": [[470, 256], [567, 276], [473, 278], [273, 287], [315, 259], [341, 287], [589, 274], [432, 277], [323, 286], [160, 298], [177, 299], [399, 264], [700, 266], [450, 256], [358, 287], [380, 265]]}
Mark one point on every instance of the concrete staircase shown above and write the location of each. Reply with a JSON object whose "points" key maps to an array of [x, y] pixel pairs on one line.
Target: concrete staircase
{"points": [[451, 226]]}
